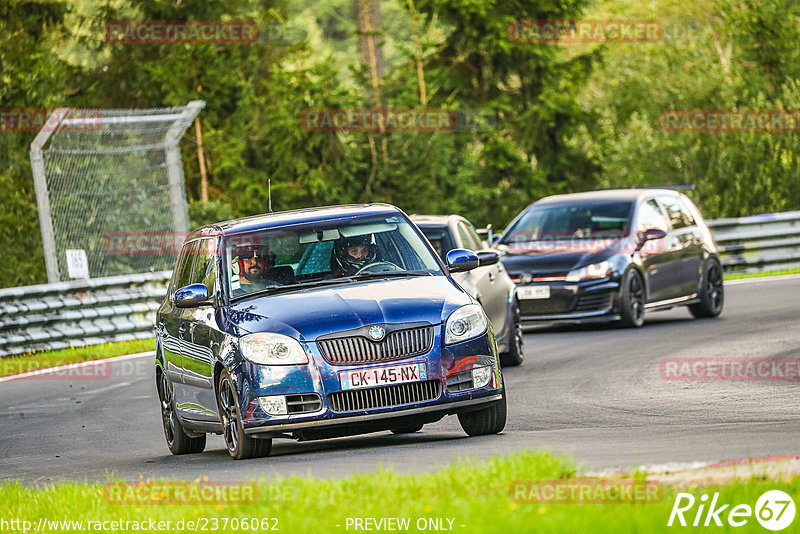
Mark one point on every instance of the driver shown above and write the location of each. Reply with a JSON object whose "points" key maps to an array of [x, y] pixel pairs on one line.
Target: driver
{"points": [[351, 254], [251, 264]]}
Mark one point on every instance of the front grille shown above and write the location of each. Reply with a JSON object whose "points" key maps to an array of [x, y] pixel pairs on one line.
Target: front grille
{"points": [[359, 349], [459, 381], [385, 396], [594, 302], [303, 403]]}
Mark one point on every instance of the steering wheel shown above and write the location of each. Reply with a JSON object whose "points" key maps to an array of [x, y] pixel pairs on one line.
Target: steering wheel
{"points": [[384, 267]]}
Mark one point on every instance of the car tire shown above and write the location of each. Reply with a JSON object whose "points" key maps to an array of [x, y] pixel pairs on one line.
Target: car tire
{"points": [[239, 445], [632, 300], [712, 294], [516, 348], [490, 420], [409, 429], [178, 441]]}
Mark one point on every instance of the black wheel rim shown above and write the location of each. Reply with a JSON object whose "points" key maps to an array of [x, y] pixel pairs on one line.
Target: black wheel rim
{"points": [[227, 401], [167, 412], [714, 286], [636, 296]]}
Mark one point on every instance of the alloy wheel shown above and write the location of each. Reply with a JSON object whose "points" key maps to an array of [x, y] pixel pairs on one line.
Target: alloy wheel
{"points": [[227, 399]]}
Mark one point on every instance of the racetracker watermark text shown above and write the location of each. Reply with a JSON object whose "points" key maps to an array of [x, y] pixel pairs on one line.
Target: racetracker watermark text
{"points": [[181, 32], [585, 31], [734, 369], [585, 491], [730, 121]]}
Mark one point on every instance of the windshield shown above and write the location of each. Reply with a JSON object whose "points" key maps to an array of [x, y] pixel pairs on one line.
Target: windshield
{"points": [[314, 254], [568, 222]]}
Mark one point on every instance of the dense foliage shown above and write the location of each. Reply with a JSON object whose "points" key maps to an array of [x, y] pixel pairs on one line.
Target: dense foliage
{"points": [[556, 118]]}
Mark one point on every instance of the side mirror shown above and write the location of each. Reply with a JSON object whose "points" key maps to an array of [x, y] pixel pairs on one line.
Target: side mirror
{"points": [[650, 235], [191, 296], [488, 257], [460, 260]]}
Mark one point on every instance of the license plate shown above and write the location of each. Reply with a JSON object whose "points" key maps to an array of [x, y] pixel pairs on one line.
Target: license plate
{"points": [[378, 376], [533, 292]]}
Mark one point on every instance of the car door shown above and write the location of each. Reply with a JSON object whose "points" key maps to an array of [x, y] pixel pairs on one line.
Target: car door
{"points": [[685, 242], [197, 397], [171, 323], [492, 294], [658, 263]]}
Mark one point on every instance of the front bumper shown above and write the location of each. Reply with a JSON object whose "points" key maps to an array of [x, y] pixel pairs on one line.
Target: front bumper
{"points": [[577, 302], [321, 378]]}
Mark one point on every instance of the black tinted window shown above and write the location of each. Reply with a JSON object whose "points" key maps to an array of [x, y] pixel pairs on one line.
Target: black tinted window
{"points": [[581, 220], [204, 268], [183, 272], [440, 239], [677, 217], [650, 217]]}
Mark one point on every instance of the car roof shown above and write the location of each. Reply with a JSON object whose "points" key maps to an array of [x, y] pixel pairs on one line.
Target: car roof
{"points": [[290, 217], [606, 194]]}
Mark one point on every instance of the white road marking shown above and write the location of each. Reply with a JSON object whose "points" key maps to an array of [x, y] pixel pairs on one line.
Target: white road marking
{"points": [[762, 279], [78, 365]]}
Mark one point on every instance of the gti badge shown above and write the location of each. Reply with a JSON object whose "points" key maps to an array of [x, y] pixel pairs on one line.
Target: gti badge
{"points": [[376, 333]]}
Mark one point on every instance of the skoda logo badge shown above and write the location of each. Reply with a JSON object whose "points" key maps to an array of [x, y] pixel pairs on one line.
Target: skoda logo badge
{"points": [[376, 333]]}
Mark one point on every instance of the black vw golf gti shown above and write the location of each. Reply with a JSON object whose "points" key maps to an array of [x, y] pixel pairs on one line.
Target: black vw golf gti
{"points": [[612, 255]]}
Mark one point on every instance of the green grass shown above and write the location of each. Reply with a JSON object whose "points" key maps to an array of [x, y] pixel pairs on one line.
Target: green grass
{"points": [[474, 494], [32, 361], [739, 276]]}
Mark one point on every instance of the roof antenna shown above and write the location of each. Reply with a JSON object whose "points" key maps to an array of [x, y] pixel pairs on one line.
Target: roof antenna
{"points": [[269, 193]]}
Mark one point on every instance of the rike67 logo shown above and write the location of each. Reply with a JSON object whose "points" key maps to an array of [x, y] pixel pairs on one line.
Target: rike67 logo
{"points": [[774, 510]]}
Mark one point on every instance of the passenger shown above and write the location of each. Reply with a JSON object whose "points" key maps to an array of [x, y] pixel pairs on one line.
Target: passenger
{"points": [[251, 266]]}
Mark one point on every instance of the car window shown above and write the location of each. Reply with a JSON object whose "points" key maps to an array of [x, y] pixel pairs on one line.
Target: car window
{"points": [[466, 239], [183, 272], [677, 216], [474, 236], [687, 213], [578, 220], [650, 217], [205, 271], [439, 238], [312, 252]]}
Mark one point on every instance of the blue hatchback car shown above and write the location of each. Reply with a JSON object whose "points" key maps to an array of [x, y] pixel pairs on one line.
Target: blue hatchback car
{"points": [[320, 323]]}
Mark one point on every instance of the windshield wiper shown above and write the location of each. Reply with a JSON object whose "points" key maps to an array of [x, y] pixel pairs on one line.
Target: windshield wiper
{"points": [[390, 274]]}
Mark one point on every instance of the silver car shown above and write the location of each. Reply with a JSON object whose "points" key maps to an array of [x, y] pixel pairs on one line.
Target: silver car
{"points": [[489, 284]]}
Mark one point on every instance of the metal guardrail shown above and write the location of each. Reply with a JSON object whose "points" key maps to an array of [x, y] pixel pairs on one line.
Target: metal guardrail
{"points": [[759, 243], [81, 312], [86, 312]]}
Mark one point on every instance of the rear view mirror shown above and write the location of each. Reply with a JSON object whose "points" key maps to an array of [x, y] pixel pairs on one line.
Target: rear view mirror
{"points": [[650, 235], [191, 296], [488, 257], [460, 260]]}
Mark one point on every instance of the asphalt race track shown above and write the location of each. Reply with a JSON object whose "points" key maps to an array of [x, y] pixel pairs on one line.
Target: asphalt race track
{"points": [[594, 392]]}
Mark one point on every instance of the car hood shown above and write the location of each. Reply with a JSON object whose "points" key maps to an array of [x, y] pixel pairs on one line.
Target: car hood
{"points": [[558, 261], [310, 313]]}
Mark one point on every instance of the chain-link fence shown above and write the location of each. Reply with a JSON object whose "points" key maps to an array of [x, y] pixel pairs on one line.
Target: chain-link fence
{"points": [[110, 190]]}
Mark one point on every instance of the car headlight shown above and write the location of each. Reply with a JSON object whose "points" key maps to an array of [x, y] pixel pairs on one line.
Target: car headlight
{"points": [[465, 323], [267, 348], [594, 270]]}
